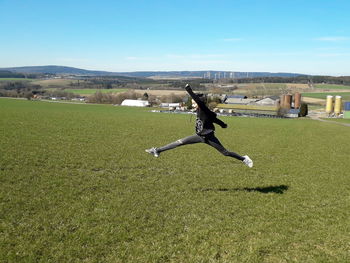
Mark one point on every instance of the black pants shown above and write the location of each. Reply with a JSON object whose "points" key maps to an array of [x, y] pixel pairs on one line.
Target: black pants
{"points": [[209, 139]]}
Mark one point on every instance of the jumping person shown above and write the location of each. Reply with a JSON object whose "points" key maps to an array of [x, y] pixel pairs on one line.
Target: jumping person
{"points": [[204, 131]]}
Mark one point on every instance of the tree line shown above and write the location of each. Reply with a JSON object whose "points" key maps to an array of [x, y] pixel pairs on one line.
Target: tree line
{"points": [[343, 80], [16, 75]]}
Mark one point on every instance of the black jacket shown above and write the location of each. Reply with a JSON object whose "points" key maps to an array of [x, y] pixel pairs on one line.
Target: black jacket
{"points": [[205, 117]]}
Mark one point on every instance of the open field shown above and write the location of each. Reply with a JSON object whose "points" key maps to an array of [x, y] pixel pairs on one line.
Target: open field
{"points": [[46, 83], [92, 91], [266, 89], [314, 101], [15, 79], [77, 186], [87, 92], [331, 87], [345, 95]]}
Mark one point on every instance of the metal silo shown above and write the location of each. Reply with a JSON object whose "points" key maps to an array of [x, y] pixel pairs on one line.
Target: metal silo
{"points": [[282, 98], [287, 101], [297, 100], [337, 105], [329, 104]]}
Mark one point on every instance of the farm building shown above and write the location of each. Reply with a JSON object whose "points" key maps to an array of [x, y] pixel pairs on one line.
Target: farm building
{"points": [[292, 113], [241, 104], [269, 101], [170, 105], [136, 103], [249, 109], [241, 101], [267, 106], [236, 97]]}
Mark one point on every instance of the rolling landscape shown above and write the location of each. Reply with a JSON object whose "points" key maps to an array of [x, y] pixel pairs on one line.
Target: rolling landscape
{"points": [[142, 74], [175, 131]]}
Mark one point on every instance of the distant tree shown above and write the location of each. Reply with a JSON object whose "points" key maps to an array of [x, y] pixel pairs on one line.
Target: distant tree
{"points": [[189, 103], [145, 96], [303, 110], [28, 95]]}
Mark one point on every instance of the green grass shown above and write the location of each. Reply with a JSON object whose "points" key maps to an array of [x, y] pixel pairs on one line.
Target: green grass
{"points": [[330, 86], [345, 95], [77, 186]]}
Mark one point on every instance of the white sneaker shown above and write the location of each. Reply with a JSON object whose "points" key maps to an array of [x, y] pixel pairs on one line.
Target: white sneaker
{"points": [[247, 161], [153, 151]]}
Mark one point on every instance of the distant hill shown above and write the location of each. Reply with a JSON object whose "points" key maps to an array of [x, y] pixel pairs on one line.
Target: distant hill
{"points": [[61, 70], [56, 70]]}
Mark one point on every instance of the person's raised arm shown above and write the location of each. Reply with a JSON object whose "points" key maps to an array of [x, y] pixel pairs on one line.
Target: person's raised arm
{"points": [[199, 102]]}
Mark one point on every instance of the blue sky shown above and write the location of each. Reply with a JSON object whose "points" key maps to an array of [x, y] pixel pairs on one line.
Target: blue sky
{"points": [[311, 37]]}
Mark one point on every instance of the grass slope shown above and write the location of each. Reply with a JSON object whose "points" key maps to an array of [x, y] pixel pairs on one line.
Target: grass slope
{"points": [[77, 186]]}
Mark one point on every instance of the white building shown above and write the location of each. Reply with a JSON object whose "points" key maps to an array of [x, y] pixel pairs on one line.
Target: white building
{"points": [[135, 103], [269, 101]]}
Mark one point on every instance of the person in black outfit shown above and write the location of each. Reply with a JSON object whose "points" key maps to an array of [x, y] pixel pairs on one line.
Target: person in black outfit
{"points": [[204, 132]]}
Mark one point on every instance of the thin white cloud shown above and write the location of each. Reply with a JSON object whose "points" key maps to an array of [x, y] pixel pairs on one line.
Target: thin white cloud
{"points": [[332, 39]]}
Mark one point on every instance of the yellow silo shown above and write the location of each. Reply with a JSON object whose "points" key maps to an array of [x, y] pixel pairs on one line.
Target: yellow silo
{"points": [[337, 105], [329, 104]]}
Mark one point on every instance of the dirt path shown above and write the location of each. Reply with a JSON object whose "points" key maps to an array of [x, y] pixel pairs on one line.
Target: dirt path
{"points": [[317, 118]]}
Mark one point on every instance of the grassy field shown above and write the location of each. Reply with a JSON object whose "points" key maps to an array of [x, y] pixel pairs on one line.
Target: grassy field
{"points": [[77, 186], [88, 92], [330, 86], [345, 95], [15, 79], [46, 83], [93, 91]]}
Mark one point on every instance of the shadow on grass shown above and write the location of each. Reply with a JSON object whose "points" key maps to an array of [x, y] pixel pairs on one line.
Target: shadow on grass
{"points": [[277, 189]]}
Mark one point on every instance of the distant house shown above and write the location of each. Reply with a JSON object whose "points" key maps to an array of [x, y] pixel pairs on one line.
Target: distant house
{"points": [[170, 105], [135, 103]]}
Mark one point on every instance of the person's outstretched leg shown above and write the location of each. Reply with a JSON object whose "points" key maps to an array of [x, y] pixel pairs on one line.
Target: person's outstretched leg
{"points": [[188, 140], [214, 142]]}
